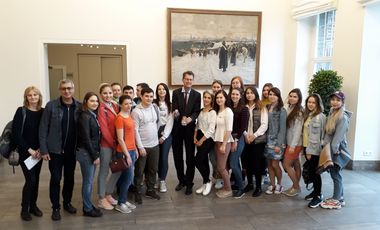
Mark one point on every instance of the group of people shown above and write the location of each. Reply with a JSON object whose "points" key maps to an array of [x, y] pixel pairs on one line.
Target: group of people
{"points": [[238, 132]]}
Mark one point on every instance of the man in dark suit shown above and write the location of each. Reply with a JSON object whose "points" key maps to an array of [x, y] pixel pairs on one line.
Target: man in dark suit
{"points": [[186, 107]]}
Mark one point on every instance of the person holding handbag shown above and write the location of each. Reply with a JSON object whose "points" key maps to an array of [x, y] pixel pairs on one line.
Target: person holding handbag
{"points": [[87, 153], [126, 148], [336, 130], [313, 133], [107, 113], [25, 134], [276, 134]]}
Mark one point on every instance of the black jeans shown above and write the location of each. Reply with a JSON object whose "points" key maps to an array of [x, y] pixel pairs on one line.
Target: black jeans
{"points": [[315, 177], [30, 189], [255, 162], [65, 161], [201, 159], [183, 134]]}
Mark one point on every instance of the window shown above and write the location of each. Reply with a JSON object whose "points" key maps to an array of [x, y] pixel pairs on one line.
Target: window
{"points": [[324, 41]]}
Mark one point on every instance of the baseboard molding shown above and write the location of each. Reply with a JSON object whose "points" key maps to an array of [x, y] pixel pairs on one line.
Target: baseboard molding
{"points": [[364, 165]]}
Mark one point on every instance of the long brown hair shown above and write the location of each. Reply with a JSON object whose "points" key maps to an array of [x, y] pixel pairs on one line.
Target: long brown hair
{"points": [[319, 103], [269, 85], [257, 100], [167, 97], [297, 109], [280, 103]]}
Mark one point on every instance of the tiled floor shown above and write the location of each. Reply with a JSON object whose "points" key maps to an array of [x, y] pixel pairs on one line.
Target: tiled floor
{"points": [[177, 211]]}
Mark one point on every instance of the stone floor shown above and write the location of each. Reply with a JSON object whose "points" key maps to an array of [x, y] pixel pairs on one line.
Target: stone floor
{"points": [[177, 211]]}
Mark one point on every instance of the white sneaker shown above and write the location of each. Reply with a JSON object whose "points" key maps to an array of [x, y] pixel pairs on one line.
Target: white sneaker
{"points": [[207, 189], [123, 208], [130, 205], [163, 187], [278, 189], [200, 189], [219, 183], [270, 190]]}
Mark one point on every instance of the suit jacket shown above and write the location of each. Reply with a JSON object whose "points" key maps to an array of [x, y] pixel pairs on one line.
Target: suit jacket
{"points": [[193, 106]]}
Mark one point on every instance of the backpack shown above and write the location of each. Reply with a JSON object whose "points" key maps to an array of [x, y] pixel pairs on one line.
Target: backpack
{"points": [[306, 175], [7, 144]]}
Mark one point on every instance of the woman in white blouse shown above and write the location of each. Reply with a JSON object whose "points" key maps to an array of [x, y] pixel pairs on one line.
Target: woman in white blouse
{"points": [[223, 139], [164, 132], [255, 140], [203, 139]]}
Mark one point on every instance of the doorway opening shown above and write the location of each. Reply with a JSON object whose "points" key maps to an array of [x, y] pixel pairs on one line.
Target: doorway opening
{"points": [[87, 65]]}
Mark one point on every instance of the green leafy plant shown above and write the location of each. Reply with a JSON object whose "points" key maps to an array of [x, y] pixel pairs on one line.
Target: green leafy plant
{"points": [[325, 82]]}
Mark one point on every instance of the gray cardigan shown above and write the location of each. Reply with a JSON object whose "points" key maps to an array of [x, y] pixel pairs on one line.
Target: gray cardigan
{"points": [[338, 140], [294, 132]]}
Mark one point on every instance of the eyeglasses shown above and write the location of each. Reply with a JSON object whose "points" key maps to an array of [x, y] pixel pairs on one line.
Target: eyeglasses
{"points": [[66, 88]]}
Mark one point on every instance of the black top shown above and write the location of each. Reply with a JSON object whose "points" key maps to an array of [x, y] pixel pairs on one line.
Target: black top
{"points": [[89, 134], [241, 117], [29, 137]]}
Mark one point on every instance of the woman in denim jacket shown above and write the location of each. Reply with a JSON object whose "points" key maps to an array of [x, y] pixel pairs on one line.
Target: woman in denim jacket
{"points": [[275, 139], [336, 130], [313, 133]]}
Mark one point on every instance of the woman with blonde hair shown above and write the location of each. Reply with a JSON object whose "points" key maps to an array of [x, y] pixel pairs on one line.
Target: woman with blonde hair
{"points": [[25, 128], [336, 129]]}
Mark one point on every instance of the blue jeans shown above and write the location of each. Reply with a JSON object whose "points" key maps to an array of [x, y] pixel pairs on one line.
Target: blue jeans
{"points": [[126, 178], [87, 168], [338, 182], [235, 162], [163, 164]]}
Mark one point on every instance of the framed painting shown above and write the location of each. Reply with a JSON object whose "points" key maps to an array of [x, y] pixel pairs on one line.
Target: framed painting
{"points": [[214, 45]]}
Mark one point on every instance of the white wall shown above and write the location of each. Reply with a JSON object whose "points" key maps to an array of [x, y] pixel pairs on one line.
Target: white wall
{"points": [[141, 25], [368, 108]]}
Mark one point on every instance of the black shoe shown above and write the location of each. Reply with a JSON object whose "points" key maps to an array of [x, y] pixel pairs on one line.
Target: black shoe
{"points": [[179, 186], [132, 188], [315, 202], [93, 213], [152, 194], [26, 216], [238, 194], [56, 215], [248, 188], [234, 187], [189, 190], [309, 197], [35, 211], [69, 208], [257, 192], [138, 198]]}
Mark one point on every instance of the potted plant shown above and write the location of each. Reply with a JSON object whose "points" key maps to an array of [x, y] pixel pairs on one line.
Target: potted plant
{"points": [[325, 82]]}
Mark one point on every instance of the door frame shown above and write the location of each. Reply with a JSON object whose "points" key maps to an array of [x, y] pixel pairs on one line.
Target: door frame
{"points": [[44, 61]]}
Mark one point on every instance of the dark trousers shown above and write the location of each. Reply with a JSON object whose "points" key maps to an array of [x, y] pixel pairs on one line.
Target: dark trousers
{"points": [[201, 159], [255, 162], [184, 134], [315, 177], [148, 165], [65, 161], [30, 189]]}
